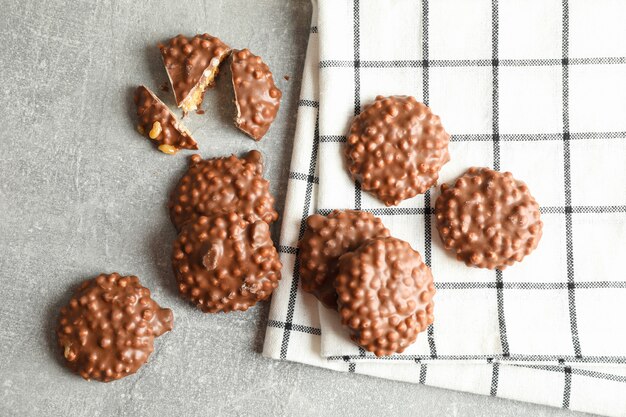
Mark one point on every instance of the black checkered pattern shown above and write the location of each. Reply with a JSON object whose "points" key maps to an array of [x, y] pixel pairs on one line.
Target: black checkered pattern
{"points": [[561, 281]]}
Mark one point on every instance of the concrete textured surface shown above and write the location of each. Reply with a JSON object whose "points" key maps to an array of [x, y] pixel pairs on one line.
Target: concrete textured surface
{"points": [[82, 192]]}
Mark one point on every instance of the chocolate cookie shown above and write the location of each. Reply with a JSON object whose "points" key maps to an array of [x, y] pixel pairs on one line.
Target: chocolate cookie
{"points": [[385, 295], [192, 65], [395, 148], [223, 185], [488, 219], [224, 263], [157, 122], [325, 240], [256, 95], [108, 328]]}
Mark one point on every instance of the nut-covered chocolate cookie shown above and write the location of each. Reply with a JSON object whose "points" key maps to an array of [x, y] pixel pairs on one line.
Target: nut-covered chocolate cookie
{"points": [[488, 219], [192, 65], [396, 147], [223, 185], [325, 240], [158, 123], [224, 263], [108, 328], [385, 295], [256, 95]]}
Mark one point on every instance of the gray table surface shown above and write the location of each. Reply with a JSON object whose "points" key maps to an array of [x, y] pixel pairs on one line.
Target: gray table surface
{"points": [[81, 193]]}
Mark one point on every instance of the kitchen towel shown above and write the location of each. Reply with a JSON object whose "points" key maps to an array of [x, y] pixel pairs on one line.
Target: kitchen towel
{"points": [[536, 88]]}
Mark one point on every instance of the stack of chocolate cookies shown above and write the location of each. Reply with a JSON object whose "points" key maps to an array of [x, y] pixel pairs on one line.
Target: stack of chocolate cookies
{"points": [[224, 258]]}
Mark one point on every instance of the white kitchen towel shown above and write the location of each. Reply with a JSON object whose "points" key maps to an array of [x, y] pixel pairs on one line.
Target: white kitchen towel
{"points": [[520, 89], [484, 67]]}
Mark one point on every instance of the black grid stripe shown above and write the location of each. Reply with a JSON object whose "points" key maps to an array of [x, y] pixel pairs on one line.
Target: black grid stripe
{"points": [[509, 137], [313, 29], [583, 209], [535, 137], [567, 386], [495, 93], [387, 211], [503, 359], [423, 373], [357, 84], [294, 327], [308, 103], [427, 219], [333, 139], [303, 177], [504, 341], [495, 106], [578, 371], [455, 63], [495, 372], [291, 250], [414, 211], [530, 285], [568, 184], [293, 291]]}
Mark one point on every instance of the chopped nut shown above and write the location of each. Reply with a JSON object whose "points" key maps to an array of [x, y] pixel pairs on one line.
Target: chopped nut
{"points": [[168, 149], [141, 130], [156, 130]]}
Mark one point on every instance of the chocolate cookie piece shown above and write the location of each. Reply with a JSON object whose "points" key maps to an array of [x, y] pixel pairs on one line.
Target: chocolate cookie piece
{"points": [[395, 148], [192, 65], [385, 295], [158, 123], [224, 263], [223, 185], [256, 95], [488, 219], [108, 328], [325, 240]]}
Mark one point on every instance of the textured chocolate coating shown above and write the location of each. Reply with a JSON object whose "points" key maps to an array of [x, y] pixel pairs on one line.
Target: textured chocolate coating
{"points": [[385, 295], [325, 240], [488, 219], [395, 148], [108, 328], [158, 123], [224, 263], [256, 95], [192, 64], [223, 185]]}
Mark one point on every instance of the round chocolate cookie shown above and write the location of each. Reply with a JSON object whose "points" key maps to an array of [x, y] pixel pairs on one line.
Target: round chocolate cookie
{"points": [[325, 240], [108, 328], [385, 295], [223, 185], [396, 147], [224, 263], [488, 219]]}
